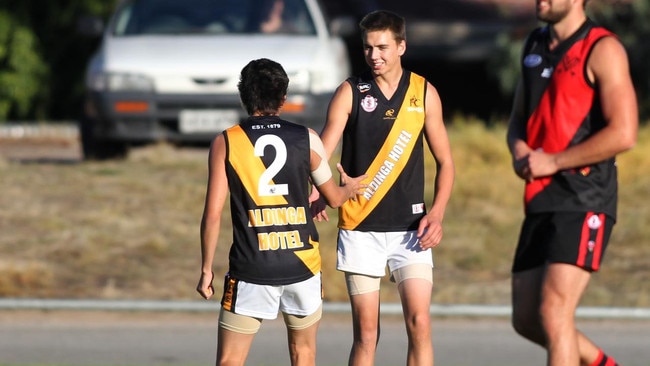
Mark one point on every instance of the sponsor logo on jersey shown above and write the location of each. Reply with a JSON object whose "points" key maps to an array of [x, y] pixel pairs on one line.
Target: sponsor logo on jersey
{"points": [[568, 63], [417, 208], [532, 60], [280, 216], [279, 240], [547, 72], [591, 245], [415, 105], [363, 87], [386, 169]]}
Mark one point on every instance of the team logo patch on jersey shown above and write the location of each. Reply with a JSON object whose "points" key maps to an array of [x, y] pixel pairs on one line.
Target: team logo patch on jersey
{"points": [[532, 60], [363, 87], [369, 103], [594, 222]]}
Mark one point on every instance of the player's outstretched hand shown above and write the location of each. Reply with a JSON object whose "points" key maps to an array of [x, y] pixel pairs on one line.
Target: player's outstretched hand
{"points": [[355, 185]]}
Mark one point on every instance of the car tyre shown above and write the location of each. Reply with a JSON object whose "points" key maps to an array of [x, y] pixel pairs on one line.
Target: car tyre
{"points": [[95, 148]]}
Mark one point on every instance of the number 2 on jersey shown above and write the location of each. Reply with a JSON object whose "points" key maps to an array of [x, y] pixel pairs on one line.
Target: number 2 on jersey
{"points": [[266, 187]]}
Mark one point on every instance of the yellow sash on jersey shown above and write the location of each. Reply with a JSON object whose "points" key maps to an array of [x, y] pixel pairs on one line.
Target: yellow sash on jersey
{"points": [[249, 168], [311, 257], [352, 213]]}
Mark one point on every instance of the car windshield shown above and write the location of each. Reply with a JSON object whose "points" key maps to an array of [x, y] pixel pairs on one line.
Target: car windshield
{"points": [[151, 17]]}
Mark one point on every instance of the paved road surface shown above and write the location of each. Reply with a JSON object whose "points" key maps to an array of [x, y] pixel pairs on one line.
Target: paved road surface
{"points": [[97, 338]]}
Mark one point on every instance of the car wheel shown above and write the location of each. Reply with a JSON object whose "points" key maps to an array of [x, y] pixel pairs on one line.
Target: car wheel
{"points": [[95, 148]]}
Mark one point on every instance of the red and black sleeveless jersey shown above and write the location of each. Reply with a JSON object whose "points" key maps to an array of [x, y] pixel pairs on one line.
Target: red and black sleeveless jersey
{"points": [[275, 241], [564, 110], [383, 138]]}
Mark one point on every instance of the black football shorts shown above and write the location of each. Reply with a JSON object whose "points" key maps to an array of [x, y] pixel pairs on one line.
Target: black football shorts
{"points": [[578, 238]]}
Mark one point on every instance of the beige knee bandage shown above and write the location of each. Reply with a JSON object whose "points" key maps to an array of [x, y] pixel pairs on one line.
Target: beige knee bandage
{"points": [[238, 323], [423, 271], [296, 322], [361, 284]]}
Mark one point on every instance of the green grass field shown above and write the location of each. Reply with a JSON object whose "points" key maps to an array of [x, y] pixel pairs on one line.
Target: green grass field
{"points": [[129, 229]]}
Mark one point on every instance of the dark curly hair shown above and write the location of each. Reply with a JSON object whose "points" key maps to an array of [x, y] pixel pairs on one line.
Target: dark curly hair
{"points": [[263, 86]]}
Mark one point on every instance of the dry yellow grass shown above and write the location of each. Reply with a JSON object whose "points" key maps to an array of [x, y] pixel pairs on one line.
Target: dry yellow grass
{"points": [[129, 229]]}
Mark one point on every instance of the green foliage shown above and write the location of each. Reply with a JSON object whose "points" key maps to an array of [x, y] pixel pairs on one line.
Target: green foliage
{"points": [[42, 56], [22, 69], [503, 66]]}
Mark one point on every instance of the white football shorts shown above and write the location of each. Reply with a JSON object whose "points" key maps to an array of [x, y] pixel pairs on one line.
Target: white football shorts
{"points": [[264, 301], [368, 252]]}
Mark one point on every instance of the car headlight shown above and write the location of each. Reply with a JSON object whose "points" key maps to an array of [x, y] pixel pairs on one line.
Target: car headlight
{"points": [[120, 82]]}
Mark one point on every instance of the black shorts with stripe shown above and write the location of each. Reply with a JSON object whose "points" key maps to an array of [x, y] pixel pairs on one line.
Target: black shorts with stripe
{"points": [[578, 238]]}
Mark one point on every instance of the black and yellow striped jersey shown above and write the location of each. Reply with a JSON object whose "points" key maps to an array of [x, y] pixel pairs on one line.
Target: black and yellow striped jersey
{"points": [[275, 241], [384, 139]]}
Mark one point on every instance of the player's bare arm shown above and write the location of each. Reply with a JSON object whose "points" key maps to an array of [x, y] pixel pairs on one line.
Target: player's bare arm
{"points": [[338, 113], [435, 132], [215, 199]]}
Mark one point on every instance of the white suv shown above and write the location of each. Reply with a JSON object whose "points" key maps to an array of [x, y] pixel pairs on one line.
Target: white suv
{"points": [[168, 69]]}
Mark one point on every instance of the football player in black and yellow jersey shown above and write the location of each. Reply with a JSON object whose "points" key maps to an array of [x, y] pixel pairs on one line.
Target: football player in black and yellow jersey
{"points": [[385, 117], [267, 165]]}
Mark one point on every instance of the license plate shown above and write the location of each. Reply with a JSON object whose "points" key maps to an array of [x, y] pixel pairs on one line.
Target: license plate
{"points": [[195, 121]]}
